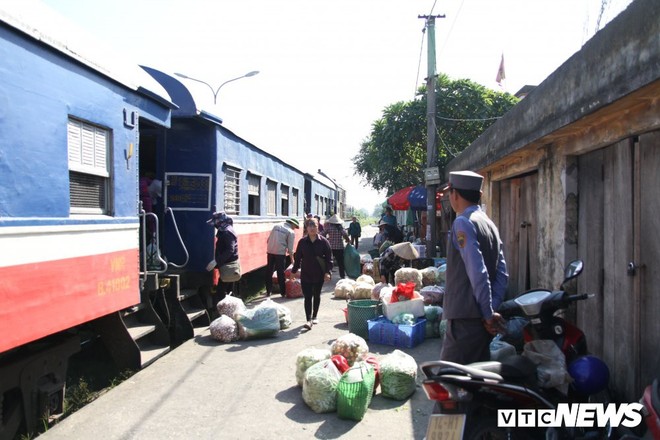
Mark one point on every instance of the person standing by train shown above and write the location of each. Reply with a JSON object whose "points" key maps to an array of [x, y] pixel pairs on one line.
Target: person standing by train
{"points": [[226, 255], [336, 235], [280, 241], [354, 231], [314, 259]]}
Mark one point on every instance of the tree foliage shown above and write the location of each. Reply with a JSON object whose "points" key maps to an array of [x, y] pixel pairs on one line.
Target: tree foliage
{"points": [[394, 155]]}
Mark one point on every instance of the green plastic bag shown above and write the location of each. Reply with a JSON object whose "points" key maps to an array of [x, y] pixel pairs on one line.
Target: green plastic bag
{"points": [[352, 261], [354, 391]]}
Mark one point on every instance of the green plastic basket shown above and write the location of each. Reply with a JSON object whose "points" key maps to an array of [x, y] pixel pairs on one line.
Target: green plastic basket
{"points": [[360, 311]]}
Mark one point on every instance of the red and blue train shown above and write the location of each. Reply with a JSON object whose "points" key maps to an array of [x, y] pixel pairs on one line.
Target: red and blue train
{"points": [[81, 243]]}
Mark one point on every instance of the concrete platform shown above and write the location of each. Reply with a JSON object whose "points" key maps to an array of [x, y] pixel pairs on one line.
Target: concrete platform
{"points": [[245, 390]]}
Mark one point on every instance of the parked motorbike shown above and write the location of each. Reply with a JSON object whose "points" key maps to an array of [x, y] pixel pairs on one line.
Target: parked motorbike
{"points": [[470, 400], [650, 429]]}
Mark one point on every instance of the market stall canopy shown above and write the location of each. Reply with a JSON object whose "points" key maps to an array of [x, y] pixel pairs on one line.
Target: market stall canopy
{"points": [[399, 200], [417, 198]]}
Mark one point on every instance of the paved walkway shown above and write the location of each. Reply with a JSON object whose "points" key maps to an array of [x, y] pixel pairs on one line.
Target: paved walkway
{"points": [[245, 390]]}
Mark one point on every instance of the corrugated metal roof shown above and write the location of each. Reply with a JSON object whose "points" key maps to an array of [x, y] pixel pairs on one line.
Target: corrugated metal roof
{"points": [[37, 20]]}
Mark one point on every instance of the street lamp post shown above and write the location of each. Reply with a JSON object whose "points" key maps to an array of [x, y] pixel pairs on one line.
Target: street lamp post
{"points": [[336, 190], [216, 91]]}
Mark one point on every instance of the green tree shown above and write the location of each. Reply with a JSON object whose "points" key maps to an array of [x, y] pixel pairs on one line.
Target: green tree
{"points": [[394, 155]]}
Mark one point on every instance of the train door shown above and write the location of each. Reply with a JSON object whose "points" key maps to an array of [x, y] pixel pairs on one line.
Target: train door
{"points": [[619, 216]]}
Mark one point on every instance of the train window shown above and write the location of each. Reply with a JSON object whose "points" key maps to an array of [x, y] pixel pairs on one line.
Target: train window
{"points": [[284, 190], [294, 202], [254, 193], [232, 190], [271, 191], [88, 150]]}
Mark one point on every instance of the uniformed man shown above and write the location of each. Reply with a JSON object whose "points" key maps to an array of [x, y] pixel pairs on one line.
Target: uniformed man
{"points": [[476, 276]]}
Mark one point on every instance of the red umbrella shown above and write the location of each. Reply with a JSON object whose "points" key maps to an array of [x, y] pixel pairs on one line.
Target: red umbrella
{"points": [[399, 200]]}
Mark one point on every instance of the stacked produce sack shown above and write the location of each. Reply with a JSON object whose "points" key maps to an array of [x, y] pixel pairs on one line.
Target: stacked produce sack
{"points": [[345, 377], [238, 322]]}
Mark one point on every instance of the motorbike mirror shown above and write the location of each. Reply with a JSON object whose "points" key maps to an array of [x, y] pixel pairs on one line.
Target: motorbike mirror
{"points": [[573, 269]]}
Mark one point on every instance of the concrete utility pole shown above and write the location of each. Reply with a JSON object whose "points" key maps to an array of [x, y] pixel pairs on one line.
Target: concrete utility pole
{"points": [[432, 173]]}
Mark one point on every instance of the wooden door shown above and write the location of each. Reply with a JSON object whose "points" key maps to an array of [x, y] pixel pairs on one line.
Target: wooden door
{"points": [[619, 219], [648, 273], [518, 226]]}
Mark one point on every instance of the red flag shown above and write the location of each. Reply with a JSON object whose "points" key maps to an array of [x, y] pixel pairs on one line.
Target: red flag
{"points": [[500, 72]]}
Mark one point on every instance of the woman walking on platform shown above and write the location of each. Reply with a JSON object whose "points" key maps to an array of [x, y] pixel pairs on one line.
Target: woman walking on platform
{"points": [[314, 259]]}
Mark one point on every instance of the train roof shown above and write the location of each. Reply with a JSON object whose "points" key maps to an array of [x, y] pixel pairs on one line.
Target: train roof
{"points": [[187, 108], [45, 25]]}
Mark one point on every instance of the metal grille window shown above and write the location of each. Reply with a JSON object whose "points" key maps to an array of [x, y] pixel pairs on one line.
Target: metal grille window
{"points": [[271, 189], [294, 202], [284, 190], [88, 150], [232, 190]]}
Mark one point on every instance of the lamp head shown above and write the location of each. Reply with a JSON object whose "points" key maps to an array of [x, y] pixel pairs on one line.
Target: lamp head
{"points": [[254, 72]]}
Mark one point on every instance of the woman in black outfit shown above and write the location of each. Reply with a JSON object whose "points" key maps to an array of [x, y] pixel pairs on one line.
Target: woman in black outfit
{"points": [[226, 251], [314, 259]]}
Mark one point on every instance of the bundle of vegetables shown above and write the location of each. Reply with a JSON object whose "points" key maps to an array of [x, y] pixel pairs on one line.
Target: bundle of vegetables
{"points": [[260, 322], [308, 357], [366, 279], [375, 292], [224, 329], [320, 386], [433, 315], [293, 288], [433, 294], [430, 276], [404, 318], [344, 288], [351, 346], [230, 305], [283, 312], [398, 374], [362, 290], [408, 275]]}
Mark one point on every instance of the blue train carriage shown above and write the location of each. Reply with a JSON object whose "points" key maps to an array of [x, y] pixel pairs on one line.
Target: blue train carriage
{"points": [[206, 167], [69, 142]]}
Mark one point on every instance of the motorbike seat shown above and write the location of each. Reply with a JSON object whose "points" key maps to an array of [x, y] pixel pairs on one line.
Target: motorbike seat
{"points": [[514, 368]]}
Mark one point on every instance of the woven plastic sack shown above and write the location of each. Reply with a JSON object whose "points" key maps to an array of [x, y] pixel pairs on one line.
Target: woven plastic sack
{"points": [[366, 279], [224, 329], [433, 295], [398, 375], [362, 290], [368, 269], [308, 357], [293, 289], [352, 261], [283, 312], [351, 346], [408, 275], [230, 305], [355, 390], [344, 288], [257, 323], [320, 386]]}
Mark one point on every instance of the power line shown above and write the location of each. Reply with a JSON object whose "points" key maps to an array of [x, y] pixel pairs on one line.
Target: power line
{"points": [[469, 120]]}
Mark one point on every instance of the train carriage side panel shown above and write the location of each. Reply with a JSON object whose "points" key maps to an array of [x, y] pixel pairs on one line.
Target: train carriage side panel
{"points": [[236, 154], [68, 255]]}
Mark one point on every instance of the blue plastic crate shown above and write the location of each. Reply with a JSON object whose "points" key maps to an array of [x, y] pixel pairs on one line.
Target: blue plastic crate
{"points": [[383, 331]]}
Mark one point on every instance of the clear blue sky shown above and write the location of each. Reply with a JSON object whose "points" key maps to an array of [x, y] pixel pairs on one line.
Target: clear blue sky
{"points": [[328, 68]]}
